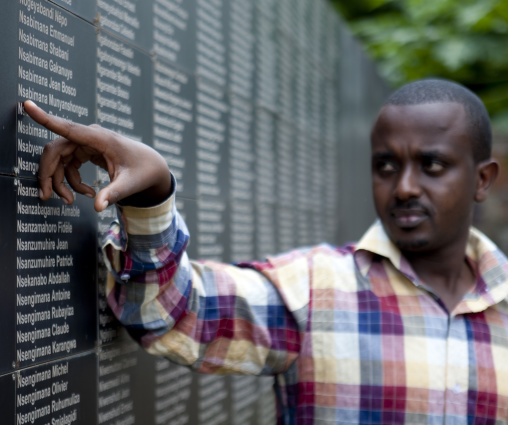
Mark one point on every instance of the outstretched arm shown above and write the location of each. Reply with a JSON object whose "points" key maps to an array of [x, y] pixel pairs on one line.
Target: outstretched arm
{"points": [[209, 316], [212, 317], [139, 175]]}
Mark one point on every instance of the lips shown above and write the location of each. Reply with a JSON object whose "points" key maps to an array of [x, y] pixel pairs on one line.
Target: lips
{"points": [[408, 218]]}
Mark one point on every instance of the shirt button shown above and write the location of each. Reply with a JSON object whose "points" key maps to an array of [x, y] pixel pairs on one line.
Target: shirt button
{"points": [[456, 389]]}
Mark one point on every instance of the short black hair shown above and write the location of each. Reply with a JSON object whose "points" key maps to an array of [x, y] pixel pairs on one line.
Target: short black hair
{"points": [[439, 91]]}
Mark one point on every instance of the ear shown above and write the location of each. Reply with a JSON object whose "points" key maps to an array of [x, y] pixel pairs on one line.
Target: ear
{"points": [[486, 173]]}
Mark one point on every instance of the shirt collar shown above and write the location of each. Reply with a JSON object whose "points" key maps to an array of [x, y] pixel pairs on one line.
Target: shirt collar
{"points": [[490, 262], [492, 274], [376, 242]]}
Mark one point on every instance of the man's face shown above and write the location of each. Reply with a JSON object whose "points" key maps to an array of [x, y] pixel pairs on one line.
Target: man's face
{"points": [[423, 175]]}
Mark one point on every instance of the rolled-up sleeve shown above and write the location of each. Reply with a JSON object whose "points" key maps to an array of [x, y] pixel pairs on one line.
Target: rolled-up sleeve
{"points": [[210, 316]]}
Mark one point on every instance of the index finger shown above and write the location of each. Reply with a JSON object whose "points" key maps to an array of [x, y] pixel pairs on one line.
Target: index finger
{"points": [[77, 133]]}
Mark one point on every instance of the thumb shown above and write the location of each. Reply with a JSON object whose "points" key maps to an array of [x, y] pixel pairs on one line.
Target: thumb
{"points": [[108, 196], [102, 200], [119, 189]]}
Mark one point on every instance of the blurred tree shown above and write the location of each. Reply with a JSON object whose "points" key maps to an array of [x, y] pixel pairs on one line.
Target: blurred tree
{"points": [[466, 41]]}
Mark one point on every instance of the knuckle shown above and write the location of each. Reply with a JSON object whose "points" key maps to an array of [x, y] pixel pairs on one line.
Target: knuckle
{"points": [[105, 133], [50, 146], [69, 128]]}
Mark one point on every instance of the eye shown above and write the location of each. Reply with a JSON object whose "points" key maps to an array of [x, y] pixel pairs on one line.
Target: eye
{"points": [[433, 166], [386, 167]]}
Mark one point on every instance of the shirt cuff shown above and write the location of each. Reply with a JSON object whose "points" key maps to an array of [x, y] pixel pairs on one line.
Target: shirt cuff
{"points": [[143, 228]]}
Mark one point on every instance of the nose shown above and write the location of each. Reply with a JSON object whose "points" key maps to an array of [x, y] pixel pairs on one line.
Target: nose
{"points": [[408, 184]]}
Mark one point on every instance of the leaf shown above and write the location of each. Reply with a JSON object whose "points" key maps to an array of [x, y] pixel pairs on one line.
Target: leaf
{"points": [[469, 15], [455, 53], [464, 41]]}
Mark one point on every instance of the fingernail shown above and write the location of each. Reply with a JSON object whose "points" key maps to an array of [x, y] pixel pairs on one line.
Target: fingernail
{"points": [[105, 204], [65, 201], [89, 195], [41, 194]]}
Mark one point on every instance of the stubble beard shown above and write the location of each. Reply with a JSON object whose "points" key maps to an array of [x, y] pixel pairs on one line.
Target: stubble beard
{"points": [[411, 246]]}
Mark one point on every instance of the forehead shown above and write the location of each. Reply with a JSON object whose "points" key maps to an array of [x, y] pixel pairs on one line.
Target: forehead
{"points": [[428, 124]]}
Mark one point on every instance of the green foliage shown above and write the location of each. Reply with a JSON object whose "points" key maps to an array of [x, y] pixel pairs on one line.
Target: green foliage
{"points": [[465, 41]]}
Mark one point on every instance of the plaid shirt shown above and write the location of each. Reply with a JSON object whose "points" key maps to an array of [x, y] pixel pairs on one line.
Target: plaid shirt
{"points": [[351, 334]]}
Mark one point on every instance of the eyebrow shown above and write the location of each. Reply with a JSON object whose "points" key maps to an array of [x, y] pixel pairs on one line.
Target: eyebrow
{"points": [[426, 154], [382, 155], [433, 154]]}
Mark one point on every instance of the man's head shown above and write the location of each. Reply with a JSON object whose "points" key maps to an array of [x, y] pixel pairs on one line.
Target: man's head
{"points": [[431, 162], [443, 91]]}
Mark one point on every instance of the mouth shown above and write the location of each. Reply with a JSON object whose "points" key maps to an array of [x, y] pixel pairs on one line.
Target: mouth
{"points": [[408, 218]]}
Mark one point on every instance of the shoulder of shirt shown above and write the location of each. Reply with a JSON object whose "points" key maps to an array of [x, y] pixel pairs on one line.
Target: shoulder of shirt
{"points": [[308, 252]]}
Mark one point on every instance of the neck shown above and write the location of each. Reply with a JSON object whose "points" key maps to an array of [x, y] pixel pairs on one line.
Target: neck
{"points": [[446, 272]]}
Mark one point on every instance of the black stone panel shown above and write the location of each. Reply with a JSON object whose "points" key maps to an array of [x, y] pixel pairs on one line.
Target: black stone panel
{"points": [[286, 220], [174, 123], [84, 9], [244, 397], [211, 47], [286, 154], [286, 63], [265, 87], [174, 32], [117, 402], [266, 225], [240, 44], [266, 407], [212, 110], [213, 402], [212, 232], [240, 232], [8, 238], [129, 19], [61, 392], [265, 165], [48, 56], [167, 390], [8, 397], [241, 161], [50, 277]]}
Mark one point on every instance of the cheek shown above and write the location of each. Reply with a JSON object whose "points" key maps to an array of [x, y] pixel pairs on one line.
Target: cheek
{"points": [[456, 202], [381, 195]]}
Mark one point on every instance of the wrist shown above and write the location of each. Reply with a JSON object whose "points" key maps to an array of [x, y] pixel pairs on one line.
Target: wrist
{"points": [[153, 196]]}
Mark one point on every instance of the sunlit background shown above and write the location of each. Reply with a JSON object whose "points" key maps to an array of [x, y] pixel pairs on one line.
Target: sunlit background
{"points": [[465, 41]]}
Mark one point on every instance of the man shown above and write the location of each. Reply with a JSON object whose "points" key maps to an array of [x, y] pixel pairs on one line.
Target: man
{"points": [[409, 325]]}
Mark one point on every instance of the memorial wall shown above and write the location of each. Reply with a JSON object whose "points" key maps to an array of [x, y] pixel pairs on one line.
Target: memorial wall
{"points": [[262, 109]]}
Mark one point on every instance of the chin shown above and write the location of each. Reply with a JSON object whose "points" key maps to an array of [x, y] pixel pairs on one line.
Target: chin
{"points": [[415, 245]]}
